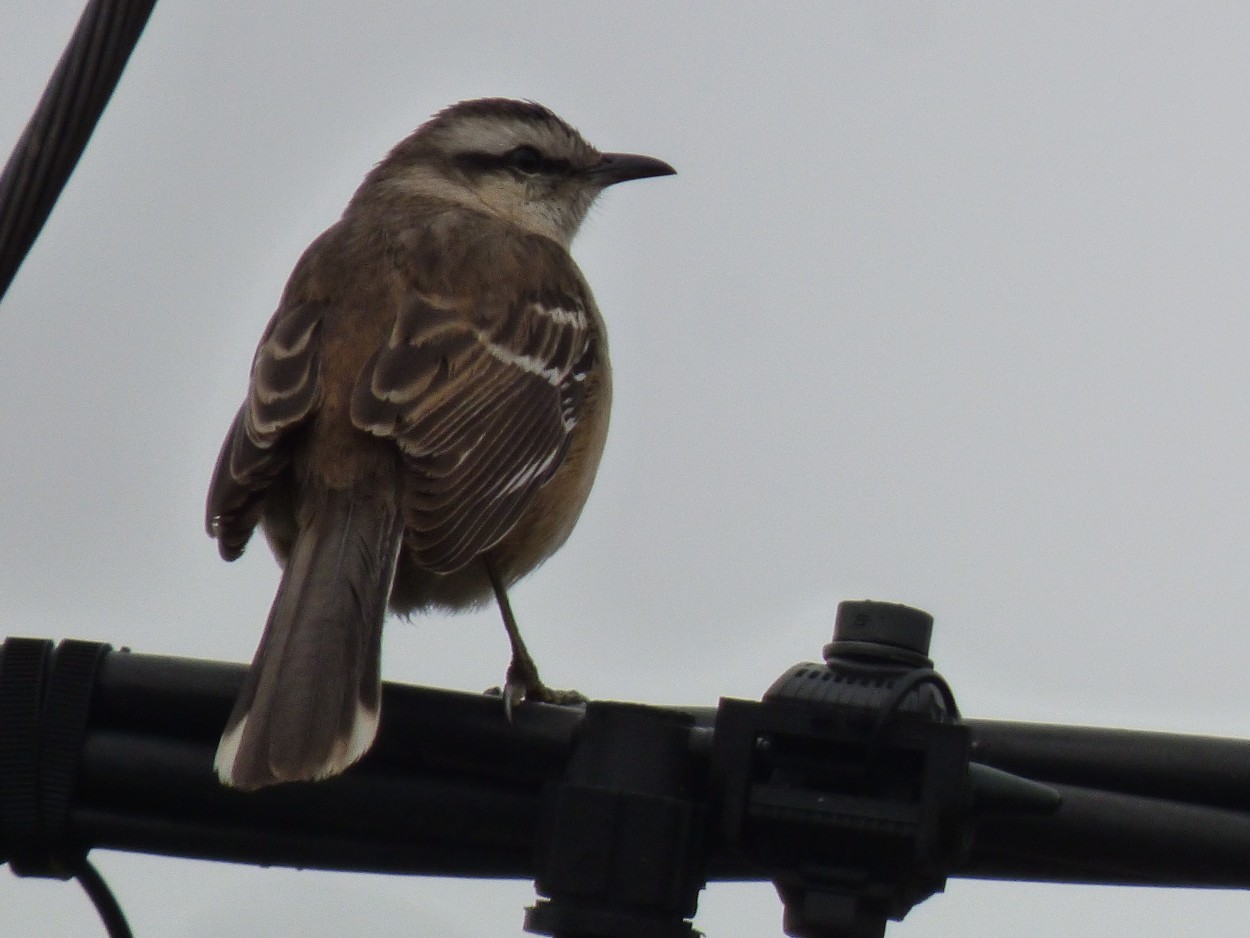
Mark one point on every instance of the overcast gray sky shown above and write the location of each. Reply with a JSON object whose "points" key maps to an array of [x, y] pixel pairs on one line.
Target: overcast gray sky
{"points": [[948, 306]]}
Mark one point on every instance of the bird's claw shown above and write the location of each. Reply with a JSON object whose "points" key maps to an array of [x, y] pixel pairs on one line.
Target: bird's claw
{"points": [[513, 692]]}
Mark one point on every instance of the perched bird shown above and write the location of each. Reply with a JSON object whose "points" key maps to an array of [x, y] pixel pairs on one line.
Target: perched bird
{"points": [[425, 417]]}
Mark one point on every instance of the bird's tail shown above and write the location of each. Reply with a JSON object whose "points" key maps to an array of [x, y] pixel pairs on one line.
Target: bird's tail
{"points": [[309, 705]]}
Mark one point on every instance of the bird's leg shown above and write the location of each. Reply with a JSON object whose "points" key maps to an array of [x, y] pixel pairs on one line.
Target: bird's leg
{"points": [[522, 681], [522, 676]]}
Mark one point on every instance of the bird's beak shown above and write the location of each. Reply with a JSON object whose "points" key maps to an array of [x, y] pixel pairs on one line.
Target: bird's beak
{"points": [[621, 167]]}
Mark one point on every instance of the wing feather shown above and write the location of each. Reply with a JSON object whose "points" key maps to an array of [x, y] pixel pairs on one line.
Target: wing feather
{"points": [[284, 391], [481, 395], [479, 382]]}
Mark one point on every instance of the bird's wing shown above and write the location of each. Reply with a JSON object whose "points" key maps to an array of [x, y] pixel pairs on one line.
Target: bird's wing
{"points": [[285, 390], [482, 394]]}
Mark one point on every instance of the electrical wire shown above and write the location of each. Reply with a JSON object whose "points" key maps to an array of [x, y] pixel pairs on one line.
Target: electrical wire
{"points": [[106, 904], [58, 131]]}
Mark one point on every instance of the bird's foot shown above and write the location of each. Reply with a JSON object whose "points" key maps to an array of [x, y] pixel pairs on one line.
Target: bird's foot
{"points": [[514, 691], [522, 681], [562, 698]]}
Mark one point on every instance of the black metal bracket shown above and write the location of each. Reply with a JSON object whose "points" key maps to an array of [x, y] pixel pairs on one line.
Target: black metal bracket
{"points": [[848, 785], [621, 835], [45, 701]]}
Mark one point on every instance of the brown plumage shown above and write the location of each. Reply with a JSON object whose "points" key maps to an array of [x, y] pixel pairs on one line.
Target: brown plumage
{"points": [[425, 417]]}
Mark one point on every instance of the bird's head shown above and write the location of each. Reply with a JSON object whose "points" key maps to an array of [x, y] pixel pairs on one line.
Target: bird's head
{"points": [[513, 159]]}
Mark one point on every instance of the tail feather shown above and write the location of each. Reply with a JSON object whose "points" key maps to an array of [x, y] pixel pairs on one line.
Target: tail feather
{"points": [[309, 705]]}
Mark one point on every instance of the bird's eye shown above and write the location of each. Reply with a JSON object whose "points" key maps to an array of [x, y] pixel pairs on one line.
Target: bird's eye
{"points": [[526, 159]]}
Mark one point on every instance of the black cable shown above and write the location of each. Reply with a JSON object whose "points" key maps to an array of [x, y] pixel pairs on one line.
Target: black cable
{"points": [[452, 788], [102, 898], [58, 131]]}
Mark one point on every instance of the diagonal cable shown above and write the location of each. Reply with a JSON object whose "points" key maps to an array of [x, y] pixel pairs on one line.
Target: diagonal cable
{"points": [[58, 131]]}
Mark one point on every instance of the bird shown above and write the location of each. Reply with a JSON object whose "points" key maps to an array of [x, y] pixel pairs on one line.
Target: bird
{"points": [[423, 423]]}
